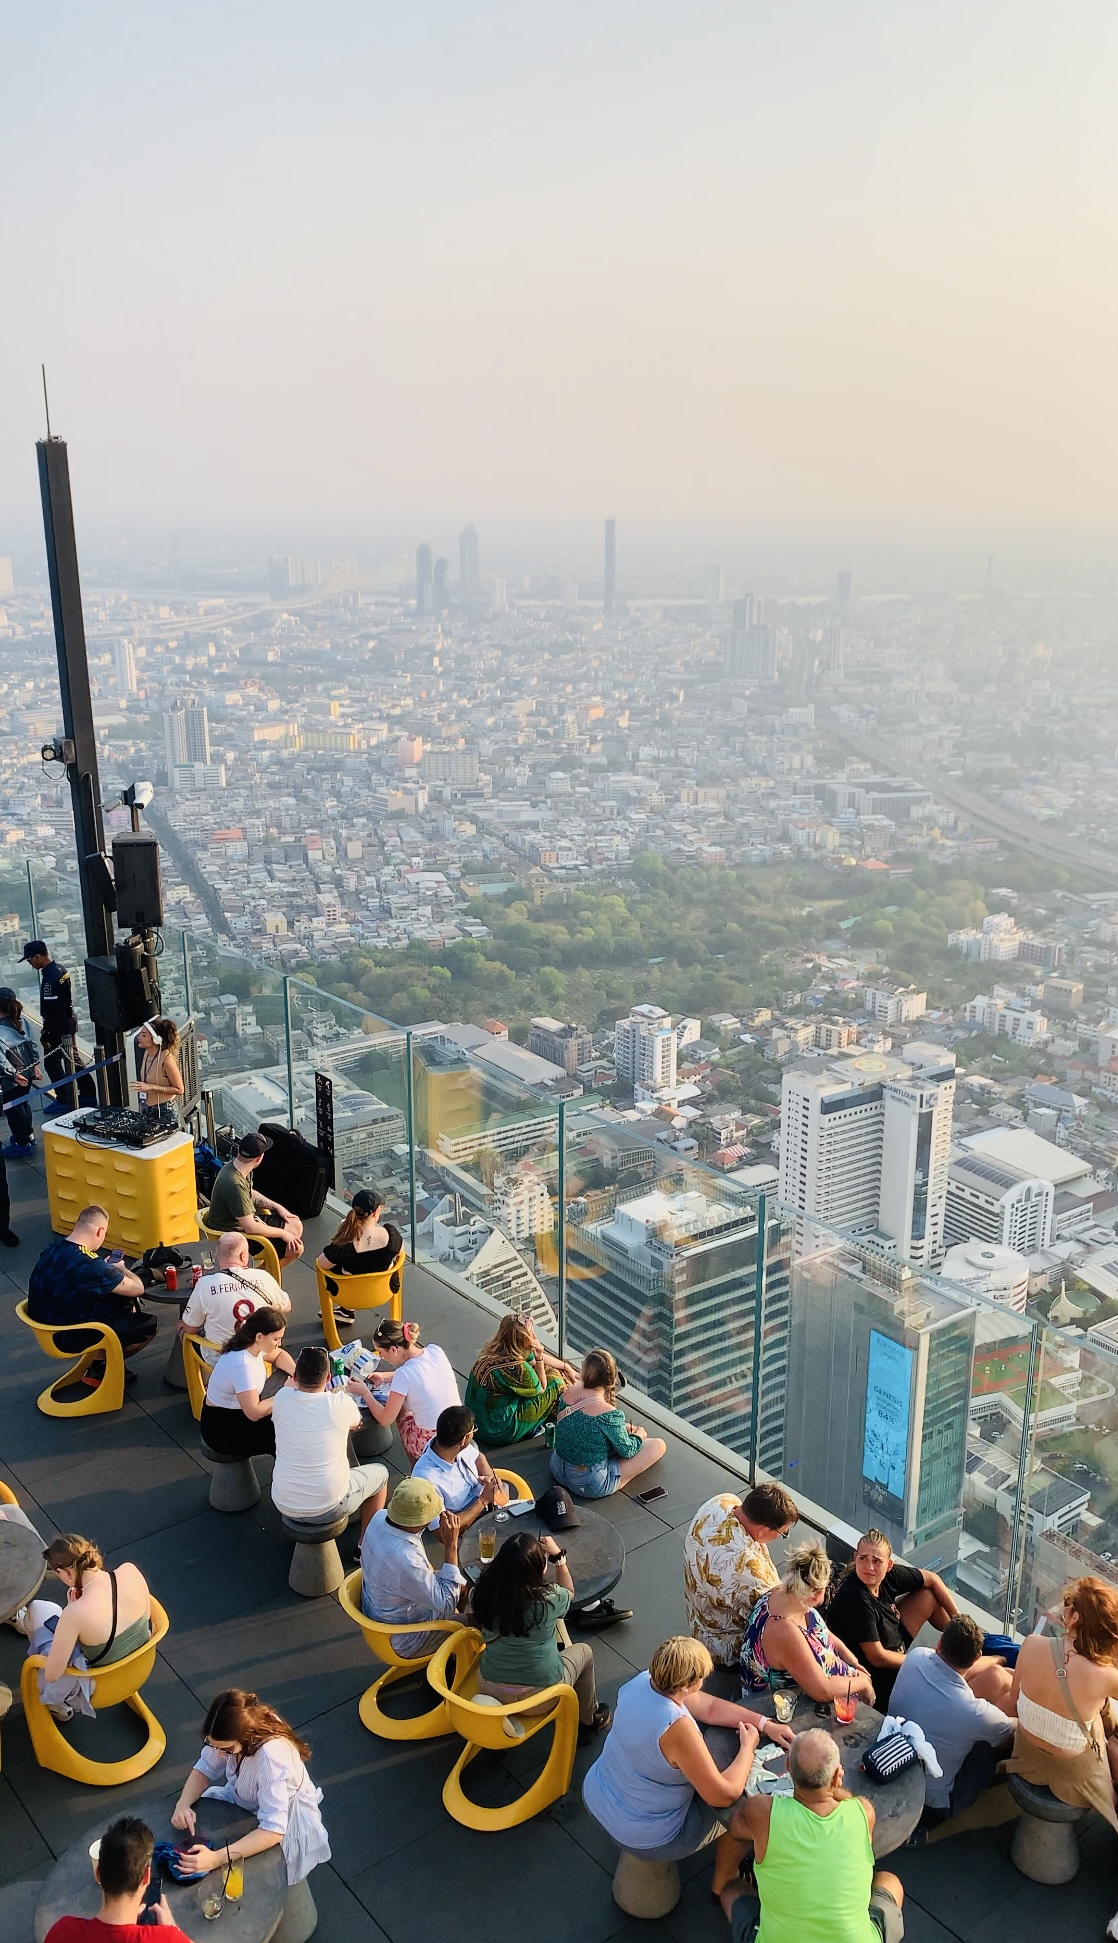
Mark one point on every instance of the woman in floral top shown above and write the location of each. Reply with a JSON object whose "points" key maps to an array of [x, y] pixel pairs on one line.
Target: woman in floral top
{"points": [[726, 1564], [596, 1451], [787, 1642]]}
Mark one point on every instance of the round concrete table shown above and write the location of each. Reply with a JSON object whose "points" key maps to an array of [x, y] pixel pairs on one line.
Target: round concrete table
{"points": [[174, 1374], [70, 1890], [595, 1549], [898, 1804], [22, 1567]]}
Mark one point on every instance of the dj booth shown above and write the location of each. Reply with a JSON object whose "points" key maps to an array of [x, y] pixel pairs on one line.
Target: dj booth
{"points": [[138, 1168]]}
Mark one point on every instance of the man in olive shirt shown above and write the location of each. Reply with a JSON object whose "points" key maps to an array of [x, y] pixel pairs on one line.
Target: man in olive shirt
{"points": [[234, 1203]]}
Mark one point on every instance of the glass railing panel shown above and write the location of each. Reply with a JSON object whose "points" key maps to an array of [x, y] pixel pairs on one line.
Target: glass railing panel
{"points": [[1070, 1524], [487, 1176], [363, 1108]]}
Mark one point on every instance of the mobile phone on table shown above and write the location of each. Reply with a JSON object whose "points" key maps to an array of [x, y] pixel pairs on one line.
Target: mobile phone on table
{"points": [[654, 1491], [116, 1257]]}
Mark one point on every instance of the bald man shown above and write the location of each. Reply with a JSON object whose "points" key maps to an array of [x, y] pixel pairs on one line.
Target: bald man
{"points": [[229, 1293]]}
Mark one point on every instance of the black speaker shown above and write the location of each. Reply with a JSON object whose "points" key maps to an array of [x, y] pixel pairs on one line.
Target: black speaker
{"points": [[139, 891], [119, 990]]}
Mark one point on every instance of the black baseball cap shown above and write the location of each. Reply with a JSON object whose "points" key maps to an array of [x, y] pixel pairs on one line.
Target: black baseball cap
{"points": [[253, 1145], [554, 1509], [35, 948], [366, 1201]]}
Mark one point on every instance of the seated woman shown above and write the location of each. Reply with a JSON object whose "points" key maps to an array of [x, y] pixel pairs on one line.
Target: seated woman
{"points": [[363, 1245], [252, 1757], [160, 1076], [515, 1386], [518, 1607], [786, 1641], [1063, 1683], [596, 1450], [655, 1786], [880, 1606], [236, 1417], [423, 1385], [107, 1616]]}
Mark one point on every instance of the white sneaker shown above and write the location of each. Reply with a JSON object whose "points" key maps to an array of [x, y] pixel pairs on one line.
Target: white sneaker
{"points": [[63, 1711], [21, 1623]]}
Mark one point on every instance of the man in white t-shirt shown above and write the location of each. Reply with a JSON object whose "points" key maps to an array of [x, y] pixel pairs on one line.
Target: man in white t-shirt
{"points": [[460, 1474], [313, 1476], [229, 1293]]}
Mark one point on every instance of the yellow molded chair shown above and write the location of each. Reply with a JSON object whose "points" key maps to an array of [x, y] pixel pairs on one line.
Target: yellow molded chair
{"points": [[120, 1681], [260, 1248], [197, 1370], [517, 1486], [482, 1723], [7, 1495], [360, 1292], [378, 1639], [109, 1394]]}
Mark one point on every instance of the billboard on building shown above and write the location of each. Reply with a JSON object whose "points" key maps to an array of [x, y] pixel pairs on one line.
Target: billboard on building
{"points": [[885, 1438]]}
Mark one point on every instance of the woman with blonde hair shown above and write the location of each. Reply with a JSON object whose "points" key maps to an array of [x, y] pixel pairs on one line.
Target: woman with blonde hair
{"points": [[655, 1786], [596, 1449], [881, 1605], [253, 1757], [160, 1076], [788, 1643], [515, 1385], [1063, 1686], [107, 1616], [423, 1385], [363, 1245]]}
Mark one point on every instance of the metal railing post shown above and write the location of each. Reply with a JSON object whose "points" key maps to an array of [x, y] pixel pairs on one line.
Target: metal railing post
{"points": [[1016, 1565], [561, 1299], [188, 996], [410, 1098], [290, 1052], [758, 1332], [31, 898]]}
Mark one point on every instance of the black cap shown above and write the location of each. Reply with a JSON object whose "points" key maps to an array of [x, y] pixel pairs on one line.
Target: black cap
{"points": [[7, 995], [35, 948], [253, 1145], [365, 1201], [555, 1510]]}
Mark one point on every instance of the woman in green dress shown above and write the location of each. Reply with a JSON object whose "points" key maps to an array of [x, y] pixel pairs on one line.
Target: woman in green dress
{"points": [[515, 1385]]}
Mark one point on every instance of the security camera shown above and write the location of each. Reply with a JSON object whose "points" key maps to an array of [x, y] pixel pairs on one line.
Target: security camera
{"points": [[138, 795]]}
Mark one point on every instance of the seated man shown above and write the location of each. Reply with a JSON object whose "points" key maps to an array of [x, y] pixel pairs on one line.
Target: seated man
{"points": [[235, 1204], [398, 1586], [72, 1282], [944, 1691], [228, 1293], [123, 1872], [313, 1477], [460, 1474], [812, 1859], [726, 1564]]}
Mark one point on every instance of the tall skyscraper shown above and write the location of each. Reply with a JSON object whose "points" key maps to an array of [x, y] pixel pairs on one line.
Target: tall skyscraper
{"points": [[7, 584], [844, 581], [750, 645], [645, 1048], [715, 584], [469, 572], [865, 1145], [186, 731], [424, 579], [124, 668], [440, 592], [611, 564]]}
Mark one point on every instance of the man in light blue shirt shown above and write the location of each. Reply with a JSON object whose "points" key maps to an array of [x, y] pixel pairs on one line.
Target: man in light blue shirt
{"points": [[970, 1735], [398, 1585]]}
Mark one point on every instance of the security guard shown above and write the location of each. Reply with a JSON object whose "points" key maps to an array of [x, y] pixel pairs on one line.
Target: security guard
{"points": [[59, 1026]]}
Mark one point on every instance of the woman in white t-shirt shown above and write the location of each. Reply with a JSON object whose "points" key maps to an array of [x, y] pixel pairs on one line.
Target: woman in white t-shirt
{"points": [[236, 1418], [423, 1385]]}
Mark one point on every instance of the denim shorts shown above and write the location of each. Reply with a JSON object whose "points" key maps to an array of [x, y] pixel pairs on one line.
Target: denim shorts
{"points": [[587, 1480]]}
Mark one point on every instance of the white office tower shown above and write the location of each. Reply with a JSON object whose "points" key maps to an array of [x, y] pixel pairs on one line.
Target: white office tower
{"points": [[865, 1143], [124, 667], [644, 1048], [186, 730], [992, 1202], [522, 1203], [1000, 1273]]}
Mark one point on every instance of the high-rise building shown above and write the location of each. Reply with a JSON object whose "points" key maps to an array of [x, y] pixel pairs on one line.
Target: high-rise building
{"points": [[568, 1046], [750, 645], [124, 667], [468, 565], [522, 1203], [460, 766], [441, 587], [865, 1145], [611, 565], [186, 734], [989, 1202], [7, 584], [424, 579], [716, 586], [645, 1048], [844, 581], [500, 602], [994, 1271]]}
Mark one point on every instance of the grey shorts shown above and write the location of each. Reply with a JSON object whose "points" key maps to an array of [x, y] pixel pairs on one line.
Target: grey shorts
{"points": [[364, 1479], [884, 1915], [701, 1826]]}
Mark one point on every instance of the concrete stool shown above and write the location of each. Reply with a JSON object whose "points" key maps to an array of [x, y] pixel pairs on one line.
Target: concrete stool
{"points": [[234, 1485], [300, 1917], [316, 1565], [647, 1889], [370, 1439], [17, 1911], [1044, 1845]]}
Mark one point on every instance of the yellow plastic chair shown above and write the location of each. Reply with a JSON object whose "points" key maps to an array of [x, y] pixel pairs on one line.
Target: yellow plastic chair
{"points": [[120, 1681], [197, 1369], [378, 1639], [482, 1723], [385, 1289], [109, 1394], [7, 1495], [519, 1489], [260, 1248]]}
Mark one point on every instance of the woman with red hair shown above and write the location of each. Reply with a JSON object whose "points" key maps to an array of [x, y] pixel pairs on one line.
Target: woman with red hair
{"points": [[1062, 1688]]}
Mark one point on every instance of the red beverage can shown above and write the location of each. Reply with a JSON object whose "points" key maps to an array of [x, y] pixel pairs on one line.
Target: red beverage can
{"points": [[195, 1275], [171, 1277]]}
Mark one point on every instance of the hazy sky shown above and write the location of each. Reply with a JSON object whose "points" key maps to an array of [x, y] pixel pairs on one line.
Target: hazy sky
{"points": [[852, 261]]}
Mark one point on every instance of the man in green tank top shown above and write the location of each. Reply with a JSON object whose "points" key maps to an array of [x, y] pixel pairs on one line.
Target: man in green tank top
{"points": [[813, 1859]]}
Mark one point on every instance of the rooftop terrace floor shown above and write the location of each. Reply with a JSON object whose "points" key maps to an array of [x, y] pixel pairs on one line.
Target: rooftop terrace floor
{"points": [[401, 1868]]}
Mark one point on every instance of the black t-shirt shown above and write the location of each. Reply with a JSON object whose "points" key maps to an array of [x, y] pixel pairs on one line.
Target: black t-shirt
{"points": [[349, 1260], [856, 1614]]}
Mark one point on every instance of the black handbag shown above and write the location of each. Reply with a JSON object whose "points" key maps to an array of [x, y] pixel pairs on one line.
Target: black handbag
{"points": [[886, 1759]]}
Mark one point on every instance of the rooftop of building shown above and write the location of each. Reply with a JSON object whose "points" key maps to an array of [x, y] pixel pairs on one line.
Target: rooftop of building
{"points": [[401, 1871], [1027, 1155]]}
